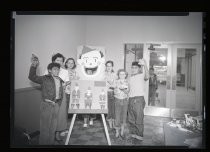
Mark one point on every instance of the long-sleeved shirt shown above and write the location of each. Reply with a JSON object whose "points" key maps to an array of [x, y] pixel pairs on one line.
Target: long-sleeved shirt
{"points": [[47, 84]]}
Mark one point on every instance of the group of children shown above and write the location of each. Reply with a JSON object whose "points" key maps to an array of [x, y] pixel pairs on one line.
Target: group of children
{"points": [[125, 97]]}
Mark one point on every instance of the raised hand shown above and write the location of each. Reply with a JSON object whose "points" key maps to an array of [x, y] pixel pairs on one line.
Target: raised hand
{"points": [[34, 60], [142, 61]]}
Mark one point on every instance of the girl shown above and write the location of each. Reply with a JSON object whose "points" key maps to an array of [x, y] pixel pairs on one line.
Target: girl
{"points": [[110, 78], [121, 101], [70, 67]]}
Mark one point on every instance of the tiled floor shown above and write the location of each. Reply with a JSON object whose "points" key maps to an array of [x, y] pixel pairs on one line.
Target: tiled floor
{"points": [[95, 135]]}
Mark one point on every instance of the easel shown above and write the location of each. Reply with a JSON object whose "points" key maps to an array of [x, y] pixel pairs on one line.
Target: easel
{"points": [[72, 124]]}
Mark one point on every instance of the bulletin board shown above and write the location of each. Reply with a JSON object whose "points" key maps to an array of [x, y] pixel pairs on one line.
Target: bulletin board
{"points": [[88, 97]]}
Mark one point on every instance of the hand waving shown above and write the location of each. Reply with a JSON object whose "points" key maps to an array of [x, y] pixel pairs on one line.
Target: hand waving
{"points": [[34, 60], [142, 61]]}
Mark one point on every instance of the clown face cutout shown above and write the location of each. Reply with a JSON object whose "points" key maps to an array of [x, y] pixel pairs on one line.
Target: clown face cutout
{"points": [[90, 63]]}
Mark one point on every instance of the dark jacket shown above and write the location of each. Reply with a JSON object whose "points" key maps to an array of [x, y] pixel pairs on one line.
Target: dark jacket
{"points": [[153, 82], [47, 84]]}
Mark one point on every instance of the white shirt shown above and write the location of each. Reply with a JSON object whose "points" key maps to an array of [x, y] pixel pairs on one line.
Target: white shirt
{"points": [[57, 87], [137, 85], [63, 74]]}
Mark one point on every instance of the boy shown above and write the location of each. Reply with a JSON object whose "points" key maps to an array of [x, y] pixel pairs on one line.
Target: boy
{"points": [[153, 85], [136, 98], [63, 113], [88, 117], [52, 94]]}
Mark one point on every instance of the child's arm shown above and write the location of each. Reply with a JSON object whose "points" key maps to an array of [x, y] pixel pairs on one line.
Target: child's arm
{"points": [[143, 63], [32, 72]]}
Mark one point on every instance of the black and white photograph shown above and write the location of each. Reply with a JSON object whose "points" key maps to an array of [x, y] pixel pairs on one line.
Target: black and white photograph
{"points": [[108, 80]]}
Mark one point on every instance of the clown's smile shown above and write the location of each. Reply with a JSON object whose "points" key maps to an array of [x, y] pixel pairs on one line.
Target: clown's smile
{"points": [[91, 71]]}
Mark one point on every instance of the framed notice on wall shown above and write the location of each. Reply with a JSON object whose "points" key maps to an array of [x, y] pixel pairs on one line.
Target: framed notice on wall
{"points": [[88, 97]]}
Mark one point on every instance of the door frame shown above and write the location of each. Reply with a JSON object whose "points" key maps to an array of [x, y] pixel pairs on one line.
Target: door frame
{"points": [[198, 102], [152, 110]]}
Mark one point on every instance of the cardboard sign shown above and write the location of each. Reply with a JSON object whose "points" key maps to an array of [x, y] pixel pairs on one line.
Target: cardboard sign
{"points": [[88, 97]]}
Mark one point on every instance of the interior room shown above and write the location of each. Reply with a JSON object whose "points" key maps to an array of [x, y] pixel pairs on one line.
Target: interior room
{"points": [[171, 45]]}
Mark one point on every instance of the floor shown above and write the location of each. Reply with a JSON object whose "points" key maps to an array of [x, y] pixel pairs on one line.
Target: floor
{"points": [[185, 98], [95, 135]]}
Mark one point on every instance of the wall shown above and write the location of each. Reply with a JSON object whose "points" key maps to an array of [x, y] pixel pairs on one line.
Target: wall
{"points": [[44, 35], [113, 31]]}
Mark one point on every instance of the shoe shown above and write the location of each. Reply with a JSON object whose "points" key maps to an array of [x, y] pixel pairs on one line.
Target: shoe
{"points": [[85, 125], [64, 133], [138, 137], [57, 136], [91, 122]]}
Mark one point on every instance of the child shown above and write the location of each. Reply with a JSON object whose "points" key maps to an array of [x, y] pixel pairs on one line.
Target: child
{"points": [[153, 85], [89, 117], [63, 112], [52, 94], [110, 78], [121, 101], [70, 66], [136, 99]]}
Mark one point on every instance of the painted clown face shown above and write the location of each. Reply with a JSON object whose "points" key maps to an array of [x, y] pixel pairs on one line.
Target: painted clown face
{"points": [[91, 64]]}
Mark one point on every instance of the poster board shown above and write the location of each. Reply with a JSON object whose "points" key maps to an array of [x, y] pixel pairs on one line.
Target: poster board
{"points": [[88, 97]]}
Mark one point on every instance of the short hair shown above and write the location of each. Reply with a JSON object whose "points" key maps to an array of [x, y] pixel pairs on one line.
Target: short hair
{"points": [[57, 55], [68, 61], [135, 63], [109, 62], [51, 65], [122, 70]]}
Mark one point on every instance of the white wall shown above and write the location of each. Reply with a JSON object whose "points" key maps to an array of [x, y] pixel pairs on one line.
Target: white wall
{"points": [[45, 35], [113, 31]]}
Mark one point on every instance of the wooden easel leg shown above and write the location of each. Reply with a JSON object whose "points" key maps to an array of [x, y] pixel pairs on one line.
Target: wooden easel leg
{"points": [[106, 130], [70, 129]]}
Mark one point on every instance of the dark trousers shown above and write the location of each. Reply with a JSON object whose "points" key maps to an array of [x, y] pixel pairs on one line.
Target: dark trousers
{"points": [[152, 95], [48, 122], [111, 106], [121, 109], [136, 115]]}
